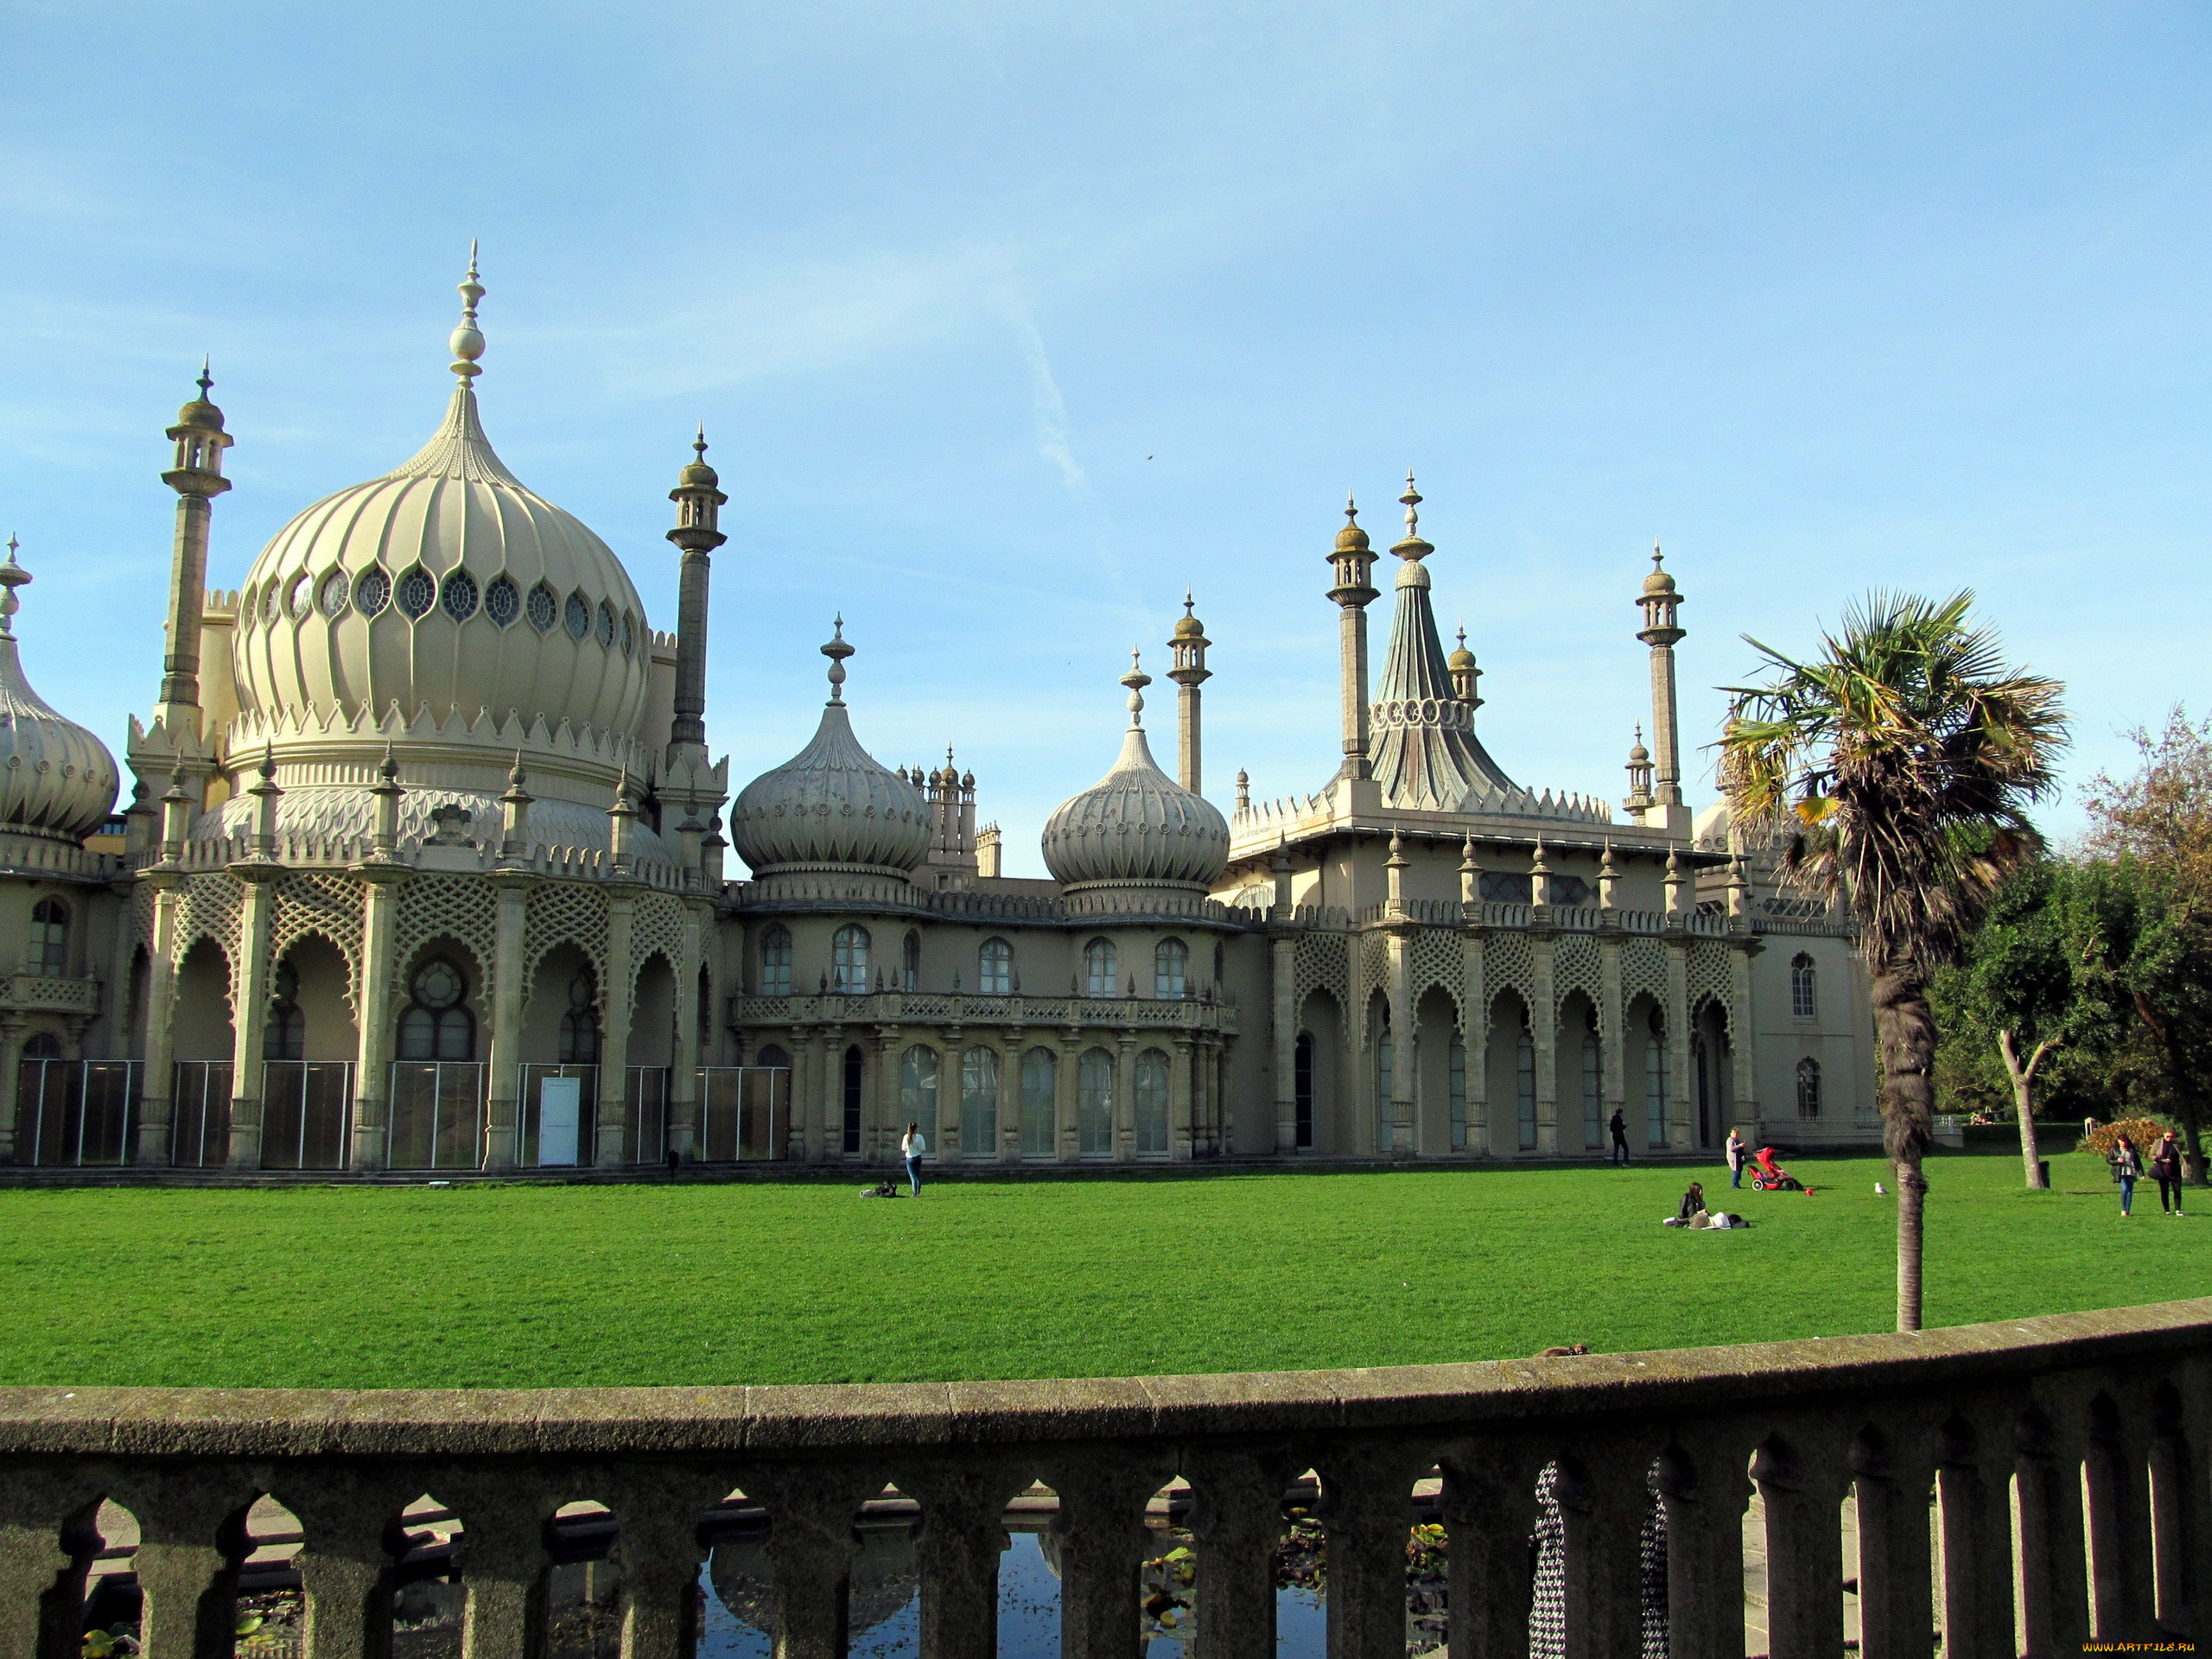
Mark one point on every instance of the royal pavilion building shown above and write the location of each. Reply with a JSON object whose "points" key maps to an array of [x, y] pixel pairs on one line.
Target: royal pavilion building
{"points": [[425, 868]]}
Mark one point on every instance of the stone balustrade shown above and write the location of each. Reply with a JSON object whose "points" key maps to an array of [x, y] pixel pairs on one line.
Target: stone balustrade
{"points": [[976, 1009], [2019, 1488], [49, 994]]}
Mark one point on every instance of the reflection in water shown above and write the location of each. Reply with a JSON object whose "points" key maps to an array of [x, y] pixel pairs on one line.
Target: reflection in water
{"points": [[1029, 1601]]}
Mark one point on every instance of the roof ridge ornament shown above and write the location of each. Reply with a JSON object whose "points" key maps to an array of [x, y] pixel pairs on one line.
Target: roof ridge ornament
{"points": [[1412, 547], [1136, 679], [836, 651], [467, 340]]}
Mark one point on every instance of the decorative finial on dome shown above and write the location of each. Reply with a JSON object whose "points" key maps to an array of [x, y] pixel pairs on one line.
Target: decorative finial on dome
{"points": [[516, 775], [207, 381], [388, 771], [12, 576], [269, 763], [467, 342], [1412, 547], [1136, 679], [836, 651]]}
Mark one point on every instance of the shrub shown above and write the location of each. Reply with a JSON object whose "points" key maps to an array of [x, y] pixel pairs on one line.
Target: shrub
{"points": [[2143, 1131]]}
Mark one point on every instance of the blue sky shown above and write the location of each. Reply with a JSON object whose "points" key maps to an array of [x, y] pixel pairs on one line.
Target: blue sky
{"points": [[1008, 321]]}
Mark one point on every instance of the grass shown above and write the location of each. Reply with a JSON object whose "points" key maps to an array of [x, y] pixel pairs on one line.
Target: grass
{"points": [[541, 1285]]}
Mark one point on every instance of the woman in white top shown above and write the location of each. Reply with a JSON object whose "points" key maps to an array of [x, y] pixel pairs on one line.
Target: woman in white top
{"points": [[910, 1147]]}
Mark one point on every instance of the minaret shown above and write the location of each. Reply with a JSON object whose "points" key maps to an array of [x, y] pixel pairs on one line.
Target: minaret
{"points": [[698, 500], [1187, 652], [197, 478], [1464, 674], [1659, 599], [1353, 563], [1640, 799]]}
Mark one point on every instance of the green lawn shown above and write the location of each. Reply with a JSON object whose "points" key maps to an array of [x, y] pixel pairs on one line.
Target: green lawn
{"points": [[528, 1285]]}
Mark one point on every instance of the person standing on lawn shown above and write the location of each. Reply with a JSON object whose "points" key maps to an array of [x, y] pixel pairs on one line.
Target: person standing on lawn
{"points": [[2166, 1169], [1738, 1155], [910, 1147], [2126, 1169], [1619, 1125]]}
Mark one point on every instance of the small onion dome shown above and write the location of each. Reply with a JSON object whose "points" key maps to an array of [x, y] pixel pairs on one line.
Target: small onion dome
{"points": [[698, 475], [1137, 826], [1637, 755], [1658, 582], [831, 805], [200, 412], [56, 780], [1351, 538], [1188, 626], [1461, 659]]}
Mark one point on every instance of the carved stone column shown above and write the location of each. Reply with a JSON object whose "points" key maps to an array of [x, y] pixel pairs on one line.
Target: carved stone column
{"points": [[1394, 1117], [13, 1027], [1102, 1540], [620, 995], [961, 1541], [1283, 965], [503, 1104], [684, 1069], [1490, 1512], [2054, 1580], [252, 974], [1185, 1131], [1704, 1489], [1743, 1047], [1067, 1102], [1474, 998], [1366, 1505], [1801, 1490], [1613, 1022], [188, 1549], [1543, 1031], [372, 1064], [1237, 1521], [1681, 1126], [1891, 1474], [1125, 1097], [157, 1102]]}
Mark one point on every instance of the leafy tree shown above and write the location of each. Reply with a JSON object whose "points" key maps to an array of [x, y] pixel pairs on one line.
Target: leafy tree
{"points": [[1900, 760]]}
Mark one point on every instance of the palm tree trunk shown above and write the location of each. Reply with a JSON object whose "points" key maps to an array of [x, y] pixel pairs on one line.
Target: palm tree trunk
{"points": [[1904, 1028]]}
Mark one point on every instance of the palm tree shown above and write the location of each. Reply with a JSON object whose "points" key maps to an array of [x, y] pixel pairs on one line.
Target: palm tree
{"points": [[1896, 767]]}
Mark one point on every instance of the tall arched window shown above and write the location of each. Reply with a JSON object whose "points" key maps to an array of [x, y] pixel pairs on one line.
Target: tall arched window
{"points": [[1040, 1092], [1808, 1087], [580, 1022], [50, 940], [1171, 968], [42, 1045], [848, 962], [918, 1074], [1152, 1104], [979, 1104], [909, 963], [285, 1036], [995, 967], [1524, 1084], [1804, 987], [436, 1026], [1095, 1103], [1654, 1081], [1456, 1085], [855, 1094], [776, 961], [1302, 1072], [1101, 968]]}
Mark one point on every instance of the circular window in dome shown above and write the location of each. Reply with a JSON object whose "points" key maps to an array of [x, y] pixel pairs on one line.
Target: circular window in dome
{"points": [[576, 615], [373, 592], [301, 601], [334, 592], [605, 625], [459, 596], [629, 635], [417, 593], [502, 603], [544, 609]]}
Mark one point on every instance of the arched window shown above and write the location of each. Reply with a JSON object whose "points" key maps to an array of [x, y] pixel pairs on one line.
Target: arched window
{"points": [[1524, 1084], [580, 1022], [436, 1026], [909, 963], [1804, 987], [285, 1036], [855, 1094], [1040, 1091], [918, 1074], [995, 967], [1152, 1104], [50, 940], [42, 1045], [1171, 968], [979, 1104], [772, 1058], [1456, 1086], [1101, 968], [848, 962], [1095, 1103], [1302, 1072], [1216, 966], [1654, 1081], [1808, 1087], [776, 961]]}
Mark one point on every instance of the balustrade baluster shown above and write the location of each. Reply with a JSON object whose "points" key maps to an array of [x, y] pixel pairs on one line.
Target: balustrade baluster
{"points": [[1704, 1487], [1893, 1474], [2177, 1512], [811, 1546], [962, 1539], [1367, 1507], [189, 1544], [1236, 1518], [1801, 1486], [500, 1551], [1490, 1510], [1602, 1497], [44, 1535], [657, 1514], [2118, 1524], [345, 1566], [2047, 1511], [1972, 1482], [1103, 1542]]}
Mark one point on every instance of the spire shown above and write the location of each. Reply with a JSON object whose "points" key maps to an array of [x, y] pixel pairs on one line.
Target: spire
{"points": [[12, 576], [1412, 547], [1186, 655], [836, 651], [467, 340], [1136, 679]]}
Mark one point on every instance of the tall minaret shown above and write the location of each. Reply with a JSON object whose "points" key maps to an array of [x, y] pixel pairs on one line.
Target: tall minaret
{"points": [[197, 478], [698, 500], [1353, 562], [1659, 599], [1187, 652]]}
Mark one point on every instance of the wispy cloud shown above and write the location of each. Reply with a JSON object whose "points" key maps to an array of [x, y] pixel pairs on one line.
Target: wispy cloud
{"points": [[1048, 408]]}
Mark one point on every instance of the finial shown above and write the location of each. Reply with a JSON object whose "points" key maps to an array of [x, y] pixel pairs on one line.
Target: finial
{"points": [[516, 775], [836, 651], [467, 342], [206, 379], [12, 576], [1463, 636], [1136, 679], [1352, 508], [699, 443], [269, 763], [1655, 549], [1412, 546], [1188, 600]]}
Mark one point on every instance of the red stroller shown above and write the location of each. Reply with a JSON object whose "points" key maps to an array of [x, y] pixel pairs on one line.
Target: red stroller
{"points": [[1771, 1177]]}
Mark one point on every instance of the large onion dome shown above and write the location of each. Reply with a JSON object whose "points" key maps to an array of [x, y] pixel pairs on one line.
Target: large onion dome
{"points": [[448, 587], [1137, 827], [57, 780], [832, 807]]}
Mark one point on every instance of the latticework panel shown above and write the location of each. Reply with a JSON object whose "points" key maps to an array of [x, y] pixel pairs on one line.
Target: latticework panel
{"points": [[460, 907], [1709, 978], [1643, 970], [1508, 963], [657, 929], [1373, 975], [1319, 965], [1577, 966], [1439, 961], [209, 909], [328, 906], [563, 913]]}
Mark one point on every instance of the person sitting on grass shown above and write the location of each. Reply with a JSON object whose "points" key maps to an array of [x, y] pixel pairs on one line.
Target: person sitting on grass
{"points": [[1693, 1202]]}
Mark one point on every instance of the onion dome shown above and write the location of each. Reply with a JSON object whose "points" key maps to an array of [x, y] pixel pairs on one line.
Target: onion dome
{"points": [[1462, 659], [448, 587], [1137, 826], [1658, 582], [57, 780], [831, 806], [1351, 538], [698, 475]]}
